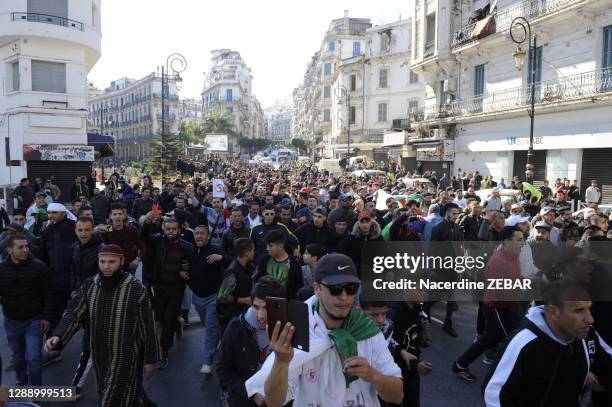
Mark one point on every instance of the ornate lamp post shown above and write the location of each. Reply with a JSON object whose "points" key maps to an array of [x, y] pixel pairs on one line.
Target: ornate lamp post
{"points": [[523, 27], [177, 63]]}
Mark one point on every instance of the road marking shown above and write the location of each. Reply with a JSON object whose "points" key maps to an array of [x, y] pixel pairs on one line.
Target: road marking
{"points": [[437, 320]]}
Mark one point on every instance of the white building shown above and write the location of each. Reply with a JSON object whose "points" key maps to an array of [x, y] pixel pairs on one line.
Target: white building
{"points": [[345, 38], [382, 92], [277, 122], [477, 97], [130, 111], [47, 48], [228, 88], [190, 109]]}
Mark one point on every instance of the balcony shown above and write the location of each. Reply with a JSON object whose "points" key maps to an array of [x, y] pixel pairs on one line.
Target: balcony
{"points": [[47, 19], [530, 9], [570, 88]]}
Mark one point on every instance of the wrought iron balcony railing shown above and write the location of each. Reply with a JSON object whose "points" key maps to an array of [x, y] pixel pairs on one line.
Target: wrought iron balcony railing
{"points": [[530, 9], [47, 19], [568, 88]]}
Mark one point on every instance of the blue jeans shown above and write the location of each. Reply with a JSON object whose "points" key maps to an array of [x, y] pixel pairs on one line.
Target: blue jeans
{"points": [[25, 341], [206, 307]]}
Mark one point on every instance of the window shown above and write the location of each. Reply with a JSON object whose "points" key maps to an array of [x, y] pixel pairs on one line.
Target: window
{"points": [[353, 85], [327, 69], [331, 46], [413, 106], [352, 115], [478, 86], [57, 8], [326, 115], [538, 72], [326, 91], [48, 77], [414, 78], [15, 74], [417, 39], [383, 76], [430, 35], [229, 94], [442, 99], [606, 63], [385, 41], [356, 48], [382, 112]]}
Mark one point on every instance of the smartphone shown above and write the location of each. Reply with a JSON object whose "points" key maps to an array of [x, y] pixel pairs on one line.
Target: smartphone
{"points": [[283, 310], [155, 209]]}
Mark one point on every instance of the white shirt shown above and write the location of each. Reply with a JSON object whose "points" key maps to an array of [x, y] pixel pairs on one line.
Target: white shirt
{"points": [[251, 223], [305, 385], [592, 195], [461, 202]]}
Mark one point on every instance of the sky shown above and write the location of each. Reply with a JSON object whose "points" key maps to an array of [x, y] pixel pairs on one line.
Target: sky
{"points": [[276, 38]]}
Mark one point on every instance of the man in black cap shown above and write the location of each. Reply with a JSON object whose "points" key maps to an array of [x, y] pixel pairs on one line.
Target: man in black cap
{"points": [[349, 362]]}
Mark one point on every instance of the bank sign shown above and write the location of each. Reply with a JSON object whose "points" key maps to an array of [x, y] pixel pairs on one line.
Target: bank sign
{"points": [[524, 141]]}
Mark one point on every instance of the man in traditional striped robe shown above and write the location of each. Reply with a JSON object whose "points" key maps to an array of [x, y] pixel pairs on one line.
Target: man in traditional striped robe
{"points": [[116, 311]]}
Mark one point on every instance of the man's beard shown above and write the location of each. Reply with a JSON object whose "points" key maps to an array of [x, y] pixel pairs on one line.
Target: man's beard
{"points": [[332, 316]]}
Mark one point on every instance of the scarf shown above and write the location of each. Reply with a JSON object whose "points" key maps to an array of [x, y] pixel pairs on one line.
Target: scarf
{"points": [[356, 327]]}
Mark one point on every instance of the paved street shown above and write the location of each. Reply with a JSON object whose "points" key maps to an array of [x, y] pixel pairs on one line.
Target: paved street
{"points": [[182, 385]]}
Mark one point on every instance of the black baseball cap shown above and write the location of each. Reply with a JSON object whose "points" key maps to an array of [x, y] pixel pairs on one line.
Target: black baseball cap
{"points": [[13, 227], [336, 268]]}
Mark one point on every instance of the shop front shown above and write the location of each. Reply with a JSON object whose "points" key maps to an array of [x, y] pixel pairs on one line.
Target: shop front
{"points": [[63, 162], [435, 156]]}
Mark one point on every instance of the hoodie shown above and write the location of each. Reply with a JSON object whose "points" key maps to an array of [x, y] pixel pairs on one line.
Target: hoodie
{"points": [[537, 369]]}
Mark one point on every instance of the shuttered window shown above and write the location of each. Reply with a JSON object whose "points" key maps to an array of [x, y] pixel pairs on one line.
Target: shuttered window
{"points": [[58, 8], [15, 74], [48, 77], [383, 78], [382, 112]]}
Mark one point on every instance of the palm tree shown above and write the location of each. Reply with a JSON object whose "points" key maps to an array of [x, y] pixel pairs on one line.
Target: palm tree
{"points": [[191, 132], [219, 122]]}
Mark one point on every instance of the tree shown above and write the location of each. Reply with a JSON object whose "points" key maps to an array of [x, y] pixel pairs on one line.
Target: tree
{"points": [[174, 148], [218, 122], [254, 144], [299, 144], [191, 132]]}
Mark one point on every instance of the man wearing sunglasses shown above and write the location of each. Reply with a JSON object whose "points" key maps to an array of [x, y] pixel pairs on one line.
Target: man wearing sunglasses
{"points": [[348, 363]]}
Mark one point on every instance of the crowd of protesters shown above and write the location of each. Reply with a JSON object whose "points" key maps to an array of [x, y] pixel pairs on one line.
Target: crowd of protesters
{"points": [[298, 233]]}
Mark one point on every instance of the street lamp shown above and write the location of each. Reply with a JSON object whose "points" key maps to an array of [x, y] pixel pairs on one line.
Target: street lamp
{"points": [[524, 34], [341, 93], [178, 64]]}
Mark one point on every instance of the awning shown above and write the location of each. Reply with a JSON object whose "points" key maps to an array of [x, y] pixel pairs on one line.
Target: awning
{"points": [[93, 138], [103, 144]]}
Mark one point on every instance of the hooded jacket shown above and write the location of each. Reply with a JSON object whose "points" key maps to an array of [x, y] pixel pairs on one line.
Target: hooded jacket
{"points": [[356, 242], [238, 359], [537, 369]]}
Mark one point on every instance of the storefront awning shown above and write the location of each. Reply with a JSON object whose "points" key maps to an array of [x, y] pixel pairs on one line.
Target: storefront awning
{"points": [[102, 143]]}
